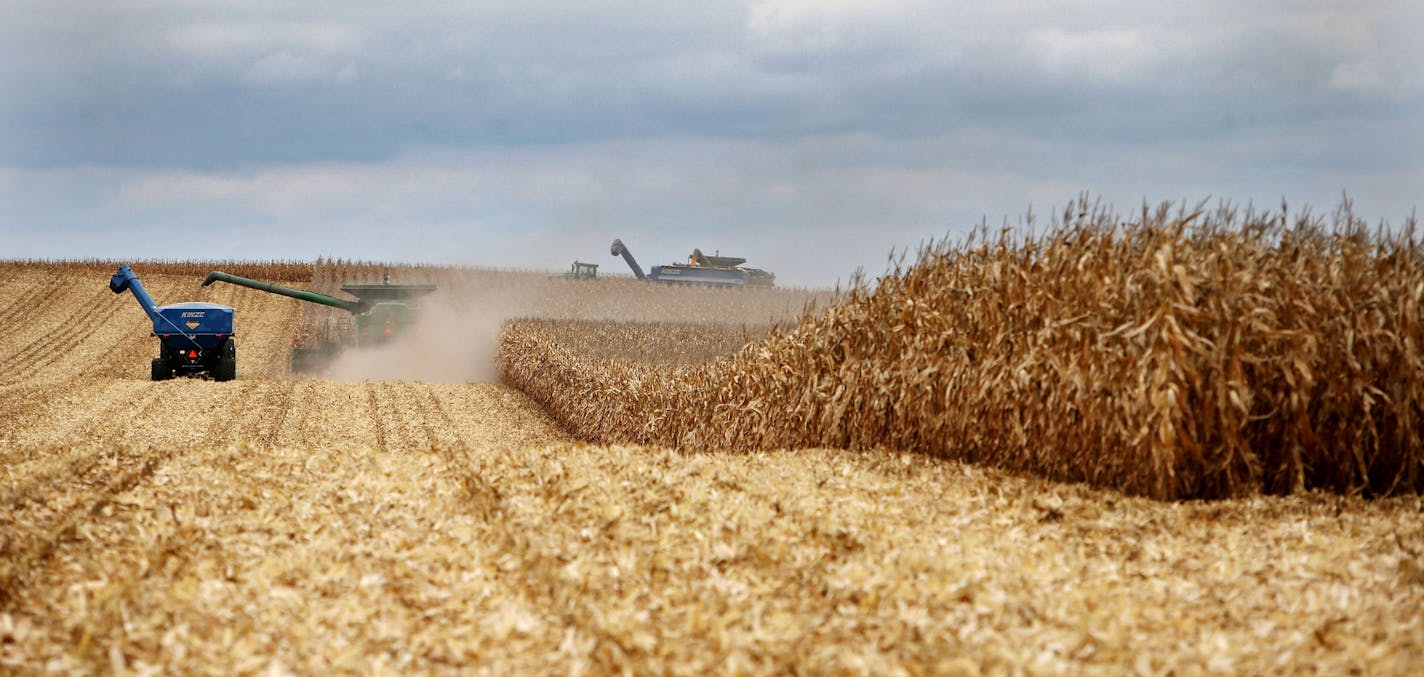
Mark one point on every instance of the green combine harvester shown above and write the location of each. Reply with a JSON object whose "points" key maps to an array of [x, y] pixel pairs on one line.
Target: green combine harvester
{"points": [[380, 314]]}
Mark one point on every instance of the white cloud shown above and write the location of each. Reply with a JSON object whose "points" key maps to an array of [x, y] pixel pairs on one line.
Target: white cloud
{"points": [[245, 39], [887, 36], [267, 52], [1108, 55], [1358, 76]]}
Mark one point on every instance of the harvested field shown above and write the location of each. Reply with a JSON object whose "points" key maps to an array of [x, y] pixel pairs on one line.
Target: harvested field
{"points": [[280, 525]]}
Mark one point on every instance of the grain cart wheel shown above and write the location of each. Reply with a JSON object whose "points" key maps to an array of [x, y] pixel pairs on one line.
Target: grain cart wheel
{"points": [[225, 369], [160, 370]]}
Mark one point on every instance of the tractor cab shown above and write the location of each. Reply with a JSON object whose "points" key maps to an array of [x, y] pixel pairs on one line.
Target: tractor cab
{"points": [[583, 271]]}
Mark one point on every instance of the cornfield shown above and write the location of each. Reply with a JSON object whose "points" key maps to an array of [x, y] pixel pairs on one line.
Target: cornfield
{"points": [[279, 271], [1178, 355]]}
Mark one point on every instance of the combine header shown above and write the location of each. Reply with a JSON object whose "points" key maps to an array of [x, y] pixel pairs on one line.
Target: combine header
{"points": [[193, 338], [382, 313], [719, 271]]}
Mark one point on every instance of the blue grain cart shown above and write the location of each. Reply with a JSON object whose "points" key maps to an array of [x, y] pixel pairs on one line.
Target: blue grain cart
{"points": [[193, 338], [700, 269]]}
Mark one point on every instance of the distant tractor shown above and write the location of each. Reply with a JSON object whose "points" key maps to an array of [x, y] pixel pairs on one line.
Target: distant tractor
{"points": [[719, 271], [581, 270], [193, 338], [381, 313]]}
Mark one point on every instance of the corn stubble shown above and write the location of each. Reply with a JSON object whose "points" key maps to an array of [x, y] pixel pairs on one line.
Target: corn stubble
{"points": [[1179, 355]]}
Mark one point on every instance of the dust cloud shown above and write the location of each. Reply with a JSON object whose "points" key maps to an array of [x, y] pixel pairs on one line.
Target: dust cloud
{"points": [[453, 340], [458, 328]]}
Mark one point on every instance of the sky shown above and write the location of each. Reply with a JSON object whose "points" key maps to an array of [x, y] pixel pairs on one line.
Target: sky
{"points": [[812, 137]]}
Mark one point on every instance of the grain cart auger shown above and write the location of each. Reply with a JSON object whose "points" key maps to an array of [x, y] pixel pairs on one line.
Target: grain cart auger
{"points": [[193, 338], [382, 313]]}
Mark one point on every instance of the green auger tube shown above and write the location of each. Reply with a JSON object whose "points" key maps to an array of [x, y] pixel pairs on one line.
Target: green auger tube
{"points": [[353, 307]]}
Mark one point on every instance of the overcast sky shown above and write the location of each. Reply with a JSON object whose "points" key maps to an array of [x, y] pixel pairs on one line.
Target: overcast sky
{"points": [[810, 136]]}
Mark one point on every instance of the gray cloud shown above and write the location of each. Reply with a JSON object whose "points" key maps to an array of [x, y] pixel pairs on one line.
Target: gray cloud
{"points": [[535, 129]]}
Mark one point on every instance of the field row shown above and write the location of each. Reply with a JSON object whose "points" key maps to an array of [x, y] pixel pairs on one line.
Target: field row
{"points": [[579, 559]]}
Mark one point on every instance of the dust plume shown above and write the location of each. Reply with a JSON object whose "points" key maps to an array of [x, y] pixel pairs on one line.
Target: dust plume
{"points": [[453, 341], [458, 327]]}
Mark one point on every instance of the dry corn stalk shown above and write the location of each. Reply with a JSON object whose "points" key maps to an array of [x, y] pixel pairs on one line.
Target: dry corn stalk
{"points": [[1176, 356]]}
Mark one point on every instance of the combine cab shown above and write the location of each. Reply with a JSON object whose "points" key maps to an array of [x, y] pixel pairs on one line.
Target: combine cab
{"points": [[193, 338], [381, 313], [719, 271]]}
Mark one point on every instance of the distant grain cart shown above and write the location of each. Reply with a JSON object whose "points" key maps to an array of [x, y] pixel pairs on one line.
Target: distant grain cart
{"points": [[700, 269], [193, 338], [382, 313]]}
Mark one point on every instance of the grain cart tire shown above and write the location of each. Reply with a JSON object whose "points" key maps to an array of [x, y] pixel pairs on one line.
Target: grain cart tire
{"points": [[160, 370], [225, 369]]}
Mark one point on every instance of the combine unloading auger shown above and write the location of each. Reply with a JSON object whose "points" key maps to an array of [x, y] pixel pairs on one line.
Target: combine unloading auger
{"points": [[353, 307], [381, 313]]}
